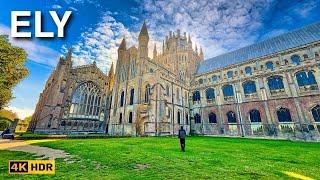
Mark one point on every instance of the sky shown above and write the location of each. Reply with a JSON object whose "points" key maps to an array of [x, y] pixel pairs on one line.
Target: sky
{"points": [[96, 28]]}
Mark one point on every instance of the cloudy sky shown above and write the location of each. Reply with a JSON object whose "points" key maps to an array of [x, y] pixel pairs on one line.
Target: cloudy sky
{"points": [[96, 28]]}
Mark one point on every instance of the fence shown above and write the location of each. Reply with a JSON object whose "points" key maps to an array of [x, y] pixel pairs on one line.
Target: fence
{"points": [[302, 131]]}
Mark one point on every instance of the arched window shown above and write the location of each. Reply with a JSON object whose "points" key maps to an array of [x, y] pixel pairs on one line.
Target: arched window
{"points": [[316, 113], [214, 78], [86, 101], [196, 96], [147, 94], [200, 81], [305, 78], [305, 56], [248, 70], [131, 96], [179, 117], [187, 119], [197, 118], [295, 59], [167, 90], [178, 94], [227, 90], [210, 94], [255, 115], [130, 117], [63, 123], [284, 115], [212, 118], [269, 65], [316, 55], [231, 117], [230, 74], [275, 83], [249, 87], [122, 99], [120, 118]]}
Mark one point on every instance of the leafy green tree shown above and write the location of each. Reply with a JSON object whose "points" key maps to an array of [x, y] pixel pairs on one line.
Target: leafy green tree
{"points": [[12, 69]]}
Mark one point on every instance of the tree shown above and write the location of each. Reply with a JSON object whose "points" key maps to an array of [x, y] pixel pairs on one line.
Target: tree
{"points": [[12, 69]]}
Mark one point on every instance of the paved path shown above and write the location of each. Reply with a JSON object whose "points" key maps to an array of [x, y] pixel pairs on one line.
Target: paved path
{"points": [[26, 146]]}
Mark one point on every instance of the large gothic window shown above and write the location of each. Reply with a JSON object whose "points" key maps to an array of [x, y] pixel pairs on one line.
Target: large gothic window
{"points": [[131, 96], [130, 117], [197, 118], [122, 99], [196, 96], [316, 113], [305, 78], [212, 118], [231, 117], [227, 90], [147, 94], [284, 115], [275, 83], [230, 74], [269, 65], [295, 59], [249, 87], [210, 94], [255, 115], [86, 101]]}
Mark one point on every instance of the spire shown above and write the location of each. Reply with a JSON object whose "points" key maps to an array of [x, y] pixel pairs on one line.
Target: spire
{"points": [[201, 51], [196, 49], [155, 51], [69, 54], [163, 47], [111, 70], [189, 39], [123, 44], [144, 30], [201, 54]]}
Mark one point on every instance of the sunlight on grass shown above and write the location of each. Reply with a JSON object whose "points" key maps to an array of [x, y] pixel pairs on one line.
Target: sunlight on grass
{"points": [[296, 175], [40, 141]]}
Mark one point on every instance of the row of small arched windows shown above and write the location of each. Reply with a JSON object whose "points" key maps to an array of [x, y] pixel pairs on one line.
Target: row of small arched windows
{"points": [[295, 59], [303, 78], [131, 100]]}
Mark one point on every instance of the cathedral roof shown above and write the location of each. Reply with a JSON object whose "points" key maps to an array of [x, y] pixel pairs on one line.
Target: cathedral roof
{"points": [[270, 46], [144, 30]]}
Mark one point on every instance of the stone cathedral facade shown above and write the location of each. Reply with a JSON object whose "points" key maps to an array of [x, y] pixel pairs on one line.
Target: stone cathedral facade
{"points": [[271, 88]]}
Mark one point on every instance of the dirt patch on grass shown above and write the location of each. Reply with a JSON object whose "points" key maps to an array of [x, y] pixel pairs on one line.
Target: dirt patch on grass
{"points": [[142, 166], [26, 146]]}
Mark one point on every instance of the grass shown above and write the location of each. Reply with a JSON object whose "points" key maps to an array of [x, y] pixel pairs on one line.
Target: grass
{"points": [[160, 158]]}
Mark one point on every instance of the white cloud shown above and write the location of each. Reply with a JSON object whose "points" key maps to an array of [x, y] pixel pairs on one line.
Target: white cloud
{"points": [[56, 6], [218, 26], [36, 52], [101, 43], [21, 112]]}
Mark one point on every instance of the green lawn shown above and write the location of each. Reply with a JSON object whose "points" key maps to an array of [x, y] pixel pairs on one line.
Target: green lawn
{"points": [[160, 158]]}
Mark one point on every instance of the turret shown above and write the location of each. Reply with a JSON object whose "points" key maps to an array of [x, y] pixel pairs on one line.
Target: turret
{"points": [[189, 43], [201, 54], [143, 42], [154, 52], [69, 58], [121, 50]]}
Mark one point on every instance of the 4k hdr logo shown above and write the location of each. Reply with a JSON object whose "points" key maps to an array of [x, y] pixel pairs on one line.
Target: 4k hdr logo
{"points": [[32, 167]]}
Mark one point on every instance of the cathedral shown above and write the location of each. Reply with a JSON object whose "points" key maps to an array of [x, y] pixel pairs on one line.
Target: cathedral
{"points": [[267, 89]]}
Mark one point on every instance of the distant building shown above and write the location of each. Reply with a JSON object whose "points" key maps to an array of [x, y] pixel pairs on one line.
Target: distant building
{"points": [[270, 88]]}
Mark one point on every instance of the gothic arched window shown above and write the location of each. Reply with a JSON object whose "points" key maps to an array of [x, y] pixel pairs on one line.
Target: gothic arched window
{"points": [[212, 118], [210, 94], [231, 117], [122, 99], [130, 117], [316, 113], [227, 90], [248, 70], [167, 90], [305, 78], [179, 117], [120, 118], [196, 96], [284, 115], [275, 83], [147, 94], [131, 96], [86, 100], [269, 65], [214, 78], [295, 59], [255, 115], [197, 118], [249, 87]]}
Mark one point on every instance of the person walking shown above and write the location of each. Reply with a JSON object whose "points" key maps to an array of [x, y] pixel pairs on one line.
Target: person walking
{"points": [[182, 137]]}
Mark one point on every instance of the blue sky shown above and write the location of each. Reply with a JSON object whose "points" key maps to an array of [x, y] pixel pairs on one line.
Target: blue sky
{"points": [[96, 28]]}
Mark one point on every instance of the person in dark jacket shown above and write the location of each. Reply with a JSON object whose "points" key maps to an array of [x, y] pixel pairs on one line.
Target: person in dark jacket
{"points": [[182, 137]]}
